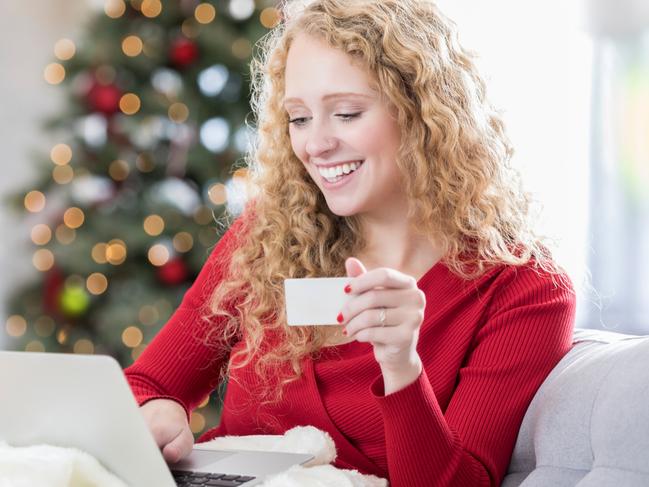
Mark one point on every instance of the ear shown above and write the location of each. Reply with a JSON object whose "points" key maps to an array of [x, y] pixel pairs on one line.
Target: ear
{"points": [[354, 267]]}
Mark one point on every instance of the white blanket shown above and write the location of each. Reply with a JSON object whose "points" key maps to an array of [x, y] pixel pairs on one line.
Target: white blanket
{"points": [[51, 466]]}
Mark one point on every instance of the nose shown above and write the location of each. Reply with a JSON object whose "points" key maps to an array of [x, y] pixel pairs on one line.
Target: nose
{"points": [[320, 140]]}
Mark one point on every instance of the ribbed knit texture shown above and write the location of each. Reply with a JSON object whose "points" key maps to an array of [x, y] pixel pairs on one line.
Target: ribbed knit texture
{"points": [[486, 345]]}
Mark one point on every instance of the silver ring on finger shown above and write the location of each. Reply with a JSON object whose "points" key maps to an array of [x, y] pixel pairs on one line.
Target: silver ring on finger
{"points": [[382, 316]]}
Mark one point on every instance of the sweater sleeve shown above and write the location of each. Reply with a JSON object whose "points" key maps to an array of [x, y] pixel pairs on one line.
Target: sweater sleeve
{"points": [[179, 363], [528, 328]]}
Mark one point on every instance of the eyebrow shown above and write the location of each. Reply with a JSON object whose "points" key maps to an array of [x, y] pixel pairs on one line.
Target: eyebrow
{"points": [[347, 94]]}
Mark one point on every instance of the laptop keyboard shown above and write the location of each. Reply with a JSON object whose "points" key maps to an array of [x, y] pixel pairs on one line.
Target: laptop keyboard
{"points": [[199, 479]]}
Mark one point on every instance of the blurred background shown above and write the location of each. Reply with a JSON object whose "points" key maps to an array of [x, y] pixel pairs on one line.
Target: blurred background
{"points": [[124, 125]]}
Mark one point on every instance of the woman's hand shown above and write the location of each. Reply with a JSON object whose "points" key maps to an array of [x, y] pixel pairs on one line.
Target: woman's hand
{"points": [[386, 310], [168, 422]]}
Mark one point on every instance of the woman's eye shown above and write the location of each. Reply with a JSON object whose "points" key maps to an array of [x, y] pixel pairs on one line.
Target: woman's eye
{"points": [[344, 117], [348, 117], [297, 121]]}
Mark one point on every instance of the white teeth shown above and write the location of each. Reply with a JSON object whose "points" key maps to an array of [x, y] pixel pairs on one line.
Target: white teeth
{"points": [[336, 171]]}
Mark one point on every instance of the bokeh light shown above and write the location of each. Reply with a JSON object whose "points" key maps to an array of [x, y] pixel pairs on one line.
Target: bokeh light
{"points": [[83, 346], [205, 13], [62, 174], [269, 17], [34, 201], [129, 104], [97, 283], [154, 225], [151, 8], [183, 242], [64, 49], [119, 170], [65, 234], [217, 194], [132, 336], [132, 46], [41, 234], [54, 73], [61, 154], [43, 260], [178, 112], [44, 326], [16, 326], [73, 217], [98, 253], [158, 255], [116, 252], [114, 8]]}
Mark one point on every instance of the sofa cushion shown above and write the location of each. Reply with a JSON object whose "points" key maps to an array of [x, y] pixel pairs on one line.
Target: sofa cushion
{"points": [[588, 424]]}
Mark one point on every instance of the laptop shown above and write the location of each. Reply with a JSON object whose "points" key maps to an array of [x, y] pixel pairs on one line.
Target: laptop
{"points": [[84, 402]]}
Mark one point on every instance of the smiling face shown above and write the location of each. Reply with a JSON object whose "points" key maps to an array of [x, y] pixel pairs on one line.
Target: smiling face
{"points": [[343, 133]]}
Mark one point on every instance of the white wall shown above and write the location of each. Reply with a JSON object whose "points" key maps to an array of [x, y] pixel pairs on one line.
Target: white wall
{"points": [[28, 32], [537, 58]]}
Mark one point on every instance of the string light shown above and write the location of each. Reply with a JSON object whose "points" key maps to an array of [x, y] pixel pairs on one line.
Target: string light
{"points": [[178, 112], [61, 154], [119, 170], [190, 28], [205, 13], [35, 346], [64, 49], [96, 283], [62, 174], [54, 73], [269, 17], [62, 336], [154, 225], [73, 217], [158, 255], [132, 336], [16, 326], [98, 253], [129, 104], [137, 351], [34, 201], [132, 46], [242, 48], [183, 242], [203, 215], [151, 8], [65, 234], [148, 315], [41, 234], [196, 422], [83, 346], [43, 260], [44, 326], [116, 252], [206, 237], [114, 8], [217, 194], [241, 9], [204, 402], [144, 162]]}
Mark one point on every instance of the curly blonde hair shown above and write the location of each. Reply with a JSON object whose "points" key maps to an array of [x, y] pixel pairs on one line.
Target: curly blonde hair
{"points": [[454, 159]]}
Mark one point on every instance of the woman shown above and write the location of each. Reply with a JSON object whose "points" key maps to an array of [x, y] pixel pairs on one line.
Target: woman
{"points": [[378, 158]]}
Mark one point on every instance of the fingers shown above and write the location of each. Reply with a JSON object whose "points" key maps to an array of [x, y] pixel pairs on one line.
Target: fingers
{"points": [[379, 298], [381, 277], [179, 447]]}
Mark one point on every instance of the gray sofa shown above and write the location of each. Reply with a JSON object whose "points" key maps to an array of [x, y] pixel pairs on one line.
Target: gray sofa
{"points": [[588, 425]]}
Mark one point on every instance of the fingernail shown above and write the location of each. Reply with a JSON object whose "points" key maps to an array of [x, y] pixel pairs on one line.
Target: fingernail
{"points": [[348, 289], [345, 331], [340, 318]]}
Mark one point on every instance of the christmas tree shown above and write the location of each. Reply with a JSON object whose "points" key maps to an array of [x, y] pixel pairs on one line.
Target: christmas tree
{"points": [[149, 160]]}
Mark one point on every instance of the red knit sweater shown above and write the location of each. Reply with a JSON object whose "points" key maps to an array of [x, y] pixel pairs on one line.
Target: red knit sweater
{"points": [[486, 345]]}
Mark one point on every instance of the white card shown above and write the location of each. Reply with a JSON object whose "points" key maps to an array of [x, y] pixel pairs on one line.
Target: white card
{"points": [[315, 301]]}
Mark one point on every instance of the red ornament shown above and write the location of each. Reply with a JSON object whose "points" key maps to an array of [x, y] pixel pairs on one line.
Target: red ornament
{"points": [[183, 52], [52, 287], [173, 272], [104, 98]]}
